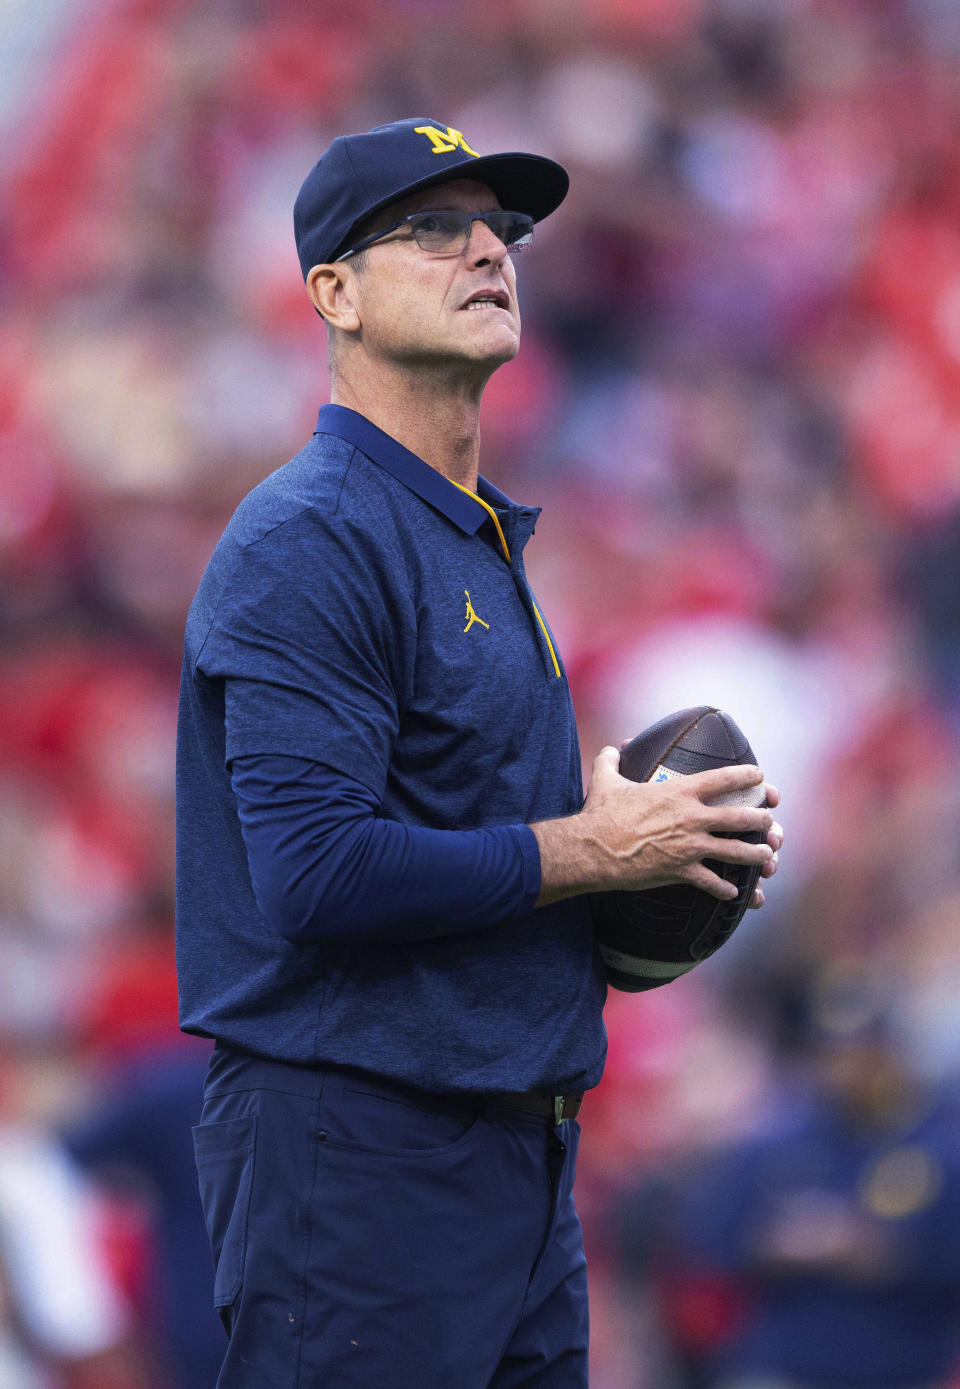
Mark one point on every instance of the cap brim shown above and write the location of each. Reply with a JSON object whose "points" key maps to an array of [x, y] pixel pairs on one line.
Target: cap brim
{"points": [[528, 183]]}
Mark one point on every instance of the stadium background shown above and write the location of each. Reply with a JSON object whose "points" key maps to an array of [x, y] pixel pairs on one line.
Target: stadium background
{"points": [[737, 401]]}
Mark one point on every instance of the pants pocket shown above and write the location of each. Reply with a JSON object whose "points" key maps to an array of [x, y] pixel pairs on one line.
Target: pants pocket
{"points": [[225, 1155], [369, 1117]]}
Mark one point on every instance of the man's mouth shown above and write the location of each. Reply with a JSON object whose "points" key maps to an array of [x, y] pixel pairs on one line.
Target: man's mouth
{"points": [[488, 299]]}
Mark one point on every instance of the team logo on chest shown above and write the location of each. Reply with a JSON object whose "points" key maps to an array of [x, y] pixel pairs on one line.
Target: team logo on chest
{"points": [[471, 615]]}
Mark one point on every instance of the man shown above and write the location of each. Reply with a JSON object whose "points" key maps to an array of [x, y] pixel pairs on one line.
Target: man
{"points": [[383, 851], [837, 1219]]}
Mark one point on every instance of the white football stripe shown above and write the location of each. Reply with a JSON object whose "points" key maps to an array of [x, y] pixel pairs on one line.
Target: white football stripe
{"points": [[752, 795], [663, 773], [633, 964]]}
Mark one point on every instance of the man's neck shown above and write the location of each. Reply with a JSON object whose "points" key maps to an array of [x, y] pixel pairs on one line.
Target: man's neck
{"points": [[440, 425]]}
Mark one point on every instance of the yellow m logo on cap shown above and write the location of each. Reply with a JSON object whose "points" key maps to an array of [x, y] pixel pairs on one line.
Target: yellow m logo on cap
{"points": [[445, 141]]}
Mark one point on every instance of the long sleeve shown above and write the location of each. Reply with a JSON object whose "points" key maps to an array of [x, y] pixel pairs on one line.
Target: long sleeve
{"points": [[326, 867]]}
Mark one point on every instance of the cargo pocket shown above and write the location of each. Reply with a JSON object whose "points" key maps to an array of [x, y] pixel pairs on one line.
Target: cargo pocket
{"points": [[225, 1156]]}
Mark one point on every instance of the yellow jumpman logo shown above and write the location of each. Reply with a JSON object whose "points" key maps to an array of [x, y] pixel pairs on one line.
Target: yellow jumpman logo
{"points": [[472, 616]]}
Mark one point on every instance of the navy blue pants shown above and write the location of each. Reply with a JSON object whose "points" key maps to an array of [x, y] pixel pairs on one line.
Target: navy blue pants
{"points": [[367, 1237]]}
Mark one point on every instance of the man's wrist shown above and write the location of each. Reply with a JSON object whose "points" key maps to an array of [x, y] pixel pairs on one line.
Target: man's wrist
{"points": [[570, 859]]}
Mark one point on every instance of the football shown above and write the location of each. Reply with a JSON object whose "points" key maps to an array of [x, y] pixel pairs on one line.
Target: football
{"points": [[649, 938]]}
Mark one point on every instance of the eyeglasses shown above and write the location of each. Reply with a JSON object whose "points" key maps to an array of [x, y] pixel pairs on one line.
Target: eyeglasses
{"points": [[447, 232]]}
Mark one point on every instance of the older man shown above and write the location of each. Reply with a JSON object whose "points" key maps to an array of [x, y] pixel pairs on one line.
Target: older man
{"points": [[383, 849]]}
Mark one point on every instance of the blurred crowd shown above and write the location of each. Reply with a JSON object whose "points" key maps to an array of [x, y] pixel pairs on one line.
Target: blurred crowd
{"points": [[738, 401]]}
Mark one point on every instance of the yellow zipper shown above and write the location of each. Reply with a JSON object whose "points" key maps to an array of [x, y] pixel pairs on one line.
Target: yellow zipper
{"points": [[553, 654], [496, 521]]}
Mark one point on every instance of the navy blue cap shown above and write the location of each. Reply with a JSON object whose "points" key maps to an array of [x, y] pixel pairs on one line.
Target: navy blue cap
{"points": [[359, 174]]}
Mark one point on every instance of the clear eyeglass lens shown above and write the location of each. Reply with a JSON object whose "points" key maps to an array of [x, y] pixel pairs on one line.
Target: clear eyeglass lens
{"points": [[514, 230], [447, 231], [439, 231], [522, 239]]}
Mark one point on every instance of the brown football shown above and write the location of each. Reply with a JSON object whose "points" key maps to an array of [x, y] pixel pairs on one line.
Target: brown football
{"points": [[649, 938]]}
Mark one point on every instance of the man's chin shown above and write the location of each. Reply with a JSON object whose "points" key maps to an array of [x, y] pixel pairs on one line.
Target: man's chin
{"points": [[496, 351], [499, 349]]}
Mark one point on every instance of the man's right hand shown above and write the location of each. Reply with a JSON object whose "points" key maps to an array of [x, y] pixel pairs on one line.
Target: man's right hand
{"points": [[630, 835]]}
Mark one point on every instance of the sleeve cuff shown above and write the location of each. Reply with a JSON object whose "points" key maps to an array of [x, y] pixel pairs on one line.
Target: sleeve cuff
{"points": [[532, 877]]}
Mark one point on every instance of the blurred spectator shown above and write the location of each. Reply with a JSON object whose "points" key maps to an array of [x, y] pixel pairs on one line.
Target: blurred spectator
{"points": [[825, 1248], [133, 1136], [136, 1139], [64, 1323]]}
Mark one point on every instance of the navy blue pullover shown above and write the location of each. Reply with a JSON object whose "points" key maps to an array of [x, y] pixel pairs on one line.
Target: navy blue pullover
{"points": [[363, 614]]}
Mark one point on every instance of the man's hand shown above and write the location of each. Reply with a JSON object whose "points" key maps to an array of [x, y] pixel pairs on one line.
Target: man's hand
{"points": [[775, 840], [631, 836]]}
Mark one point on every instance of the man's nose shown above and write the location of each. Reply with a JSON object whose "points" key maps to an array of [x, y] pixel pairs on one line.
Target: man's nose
{"points": [[484, 246]]}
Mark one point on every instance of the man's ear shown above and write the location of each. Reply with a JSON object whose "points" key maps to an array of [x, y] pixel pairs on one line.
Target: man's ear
{"points": [[330, 290]]}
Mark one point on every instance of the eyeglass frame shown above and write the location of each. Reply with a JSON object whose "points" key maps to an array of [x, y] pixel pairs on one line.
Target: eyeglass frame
{"points": [[425, 212]]}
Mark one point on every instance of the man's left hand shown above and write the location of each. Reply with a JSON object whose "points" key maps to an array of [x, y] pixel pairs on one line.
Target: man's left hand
{"points": [[775, 840]]}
